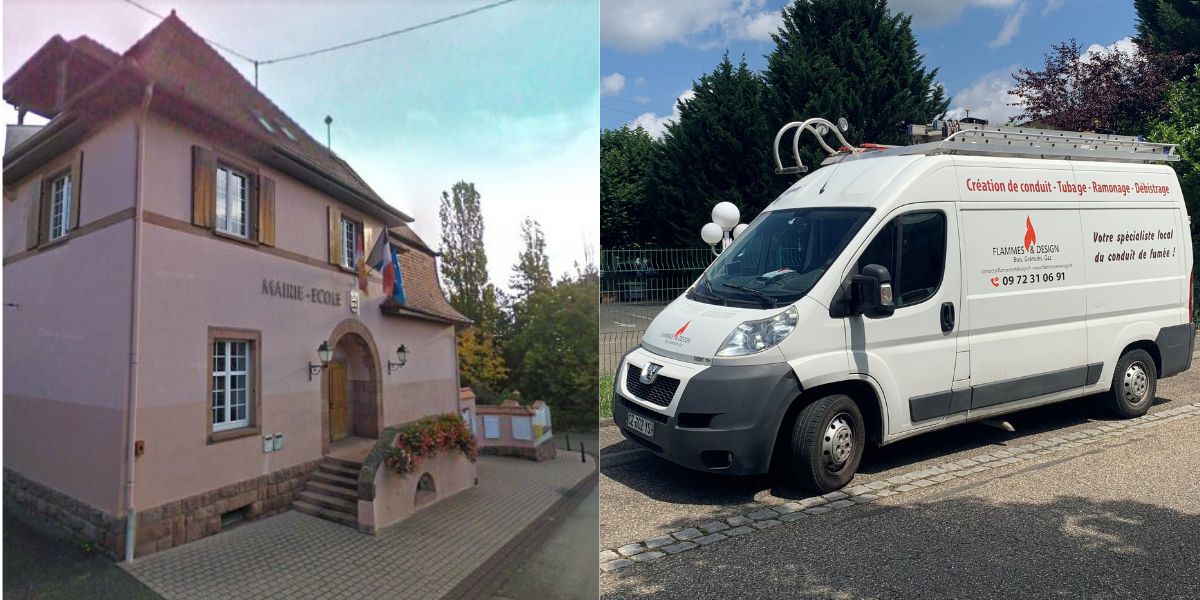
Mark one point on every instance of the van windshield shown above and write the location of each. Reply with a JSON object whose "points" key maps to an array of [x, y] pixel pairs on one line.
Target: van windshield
{"points": [[779, 257]]}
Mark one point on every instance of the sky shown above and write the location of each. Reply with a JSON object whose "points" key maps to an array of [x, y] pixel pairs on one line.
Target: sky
{"points": [[650, 53], [506, 98]]}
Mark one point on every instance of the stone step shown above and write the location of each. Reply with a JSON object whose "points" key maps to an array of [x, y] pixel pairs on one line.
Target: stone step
{"points": [[326, 513], [335, 480], [340, 470], [342, 462], [327, 501], [337, 491]]}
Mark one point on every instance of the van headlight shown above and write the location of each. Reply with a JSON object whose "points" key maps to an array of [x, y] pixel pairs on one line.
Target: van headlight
{"points": [[756, 336]]}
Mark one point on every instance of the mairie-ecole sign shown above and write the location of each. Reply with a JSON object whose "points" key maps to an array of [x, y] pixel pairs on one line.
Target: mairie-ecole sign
{"points": [[295, 291]]}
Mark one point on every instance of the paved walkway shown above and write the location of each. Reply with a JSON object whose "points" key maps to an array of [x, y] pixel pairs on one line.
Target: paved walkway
{"points": [[296, 556]]}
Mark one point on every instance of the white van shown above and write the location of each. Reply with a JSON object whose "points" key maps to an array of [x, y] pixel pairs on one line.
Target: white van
{"points": [[907, 289]]}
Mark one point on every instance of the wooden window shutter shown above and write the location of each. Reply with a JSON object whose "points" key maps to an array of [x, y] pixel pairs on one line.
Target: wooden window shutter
{"points": [[33, 220], [252, 208], [76, 191], [204, 186], [266, 211], [46, 203], [335, 235]]}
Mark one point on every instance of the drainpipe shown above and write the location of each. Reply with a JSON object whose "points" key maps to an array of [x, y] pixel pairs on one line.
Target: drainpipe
{"points": [[134, 330]]}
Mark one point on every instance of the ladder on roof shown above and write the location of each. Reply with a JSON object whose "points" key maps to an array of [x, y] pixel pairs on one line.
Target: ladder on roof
{"points": [[954, 137]]}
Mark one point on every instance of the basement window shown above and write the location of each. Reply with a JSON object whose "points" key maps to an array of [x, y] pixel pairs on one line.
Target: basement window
{"points": [[235, 517]]}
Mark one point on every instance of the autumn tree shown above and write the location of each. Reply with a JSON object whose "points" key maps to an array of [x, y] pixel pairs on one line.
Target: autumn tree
{"points": [[1107, 90], [481, 365]]}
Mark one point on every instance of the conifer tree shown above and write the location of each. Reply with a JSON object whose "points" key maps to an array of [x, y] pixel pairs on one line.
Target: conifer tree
{"points": [[718, 150], [854, 59]]}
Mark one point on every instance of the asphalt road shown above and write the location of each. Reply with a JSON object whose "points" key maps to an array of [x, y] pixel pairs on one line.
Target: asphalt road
{"points": [[1115, 519], [629, 316]]}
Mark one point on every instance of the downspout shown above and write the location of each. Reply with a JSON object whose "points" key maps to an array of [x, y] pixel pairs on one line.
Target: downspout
{"points": [[135, 330]]}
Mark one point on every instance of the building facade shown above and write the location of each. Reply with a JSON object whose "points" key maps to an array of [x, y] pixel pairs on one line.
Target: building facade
{"points": [[176, 249]]}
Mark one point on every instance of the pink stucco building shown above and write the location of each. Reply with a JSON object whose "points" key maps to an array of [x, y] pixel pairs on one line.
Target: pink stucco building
{"points": [[176, 248]]}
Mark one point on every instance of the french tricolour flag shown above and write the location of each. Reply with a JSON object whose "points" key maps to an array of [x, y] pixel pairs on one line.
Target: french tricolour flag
{"points": [[385, 259]]}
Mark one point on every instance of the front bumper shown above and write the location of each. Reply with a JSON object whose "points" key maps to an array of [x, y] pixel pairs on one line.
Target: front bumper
{"points": [[723, 419]]}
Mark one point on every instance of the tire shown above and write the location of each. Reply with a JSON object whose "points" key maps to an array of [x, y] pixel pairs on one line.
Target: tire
{"points": [[827, 443], [1134, 384]]}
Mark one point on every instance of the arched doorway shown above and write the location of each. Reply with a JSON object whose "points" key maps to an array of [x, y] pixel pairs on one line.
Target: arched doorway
{"points": [[351, 387]]}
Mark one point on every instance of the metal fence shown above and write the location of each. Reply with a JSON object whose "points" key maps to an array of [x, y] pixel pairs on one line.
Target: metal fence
{"points": [[634, 286]]}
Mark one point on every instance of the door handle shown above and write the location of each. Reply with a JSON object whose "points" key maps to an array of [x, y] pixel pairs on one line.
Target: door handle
{"points": [[947, 316]]}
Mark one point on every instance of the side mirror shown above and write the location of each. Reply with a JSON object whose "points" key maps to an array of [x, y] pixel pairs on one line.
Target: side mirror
{"points": [[871, 292]]}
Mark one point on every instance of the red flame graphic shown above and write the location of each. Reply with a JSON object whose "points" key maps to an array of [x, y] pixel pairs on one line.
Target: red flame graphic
{"points": [[1030, 235], [682, 329]]}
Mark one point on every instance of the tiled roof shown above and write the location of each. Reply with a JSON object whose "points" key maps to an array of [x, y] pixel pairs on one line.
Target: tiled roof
{"points": [[95, 50], [177, 59], [422, 292]]}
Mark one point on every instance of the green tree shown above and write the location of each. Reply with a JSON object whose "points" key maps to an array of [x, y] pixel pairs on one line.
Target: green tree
{"points": [[532, 270], [853, 59], [464, 262], [625, 156], [1182, 127], [555, 351], [718, 150]]}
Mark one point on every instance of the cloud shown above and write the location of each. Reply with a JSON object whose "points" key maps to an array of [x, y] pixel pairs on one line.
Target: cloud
{"points": [[612, 84], [987, 98], [1011, 27], [642, 99], [934, 13], [1125, 45], [656, 125], [646, 25], [1052, 5]]}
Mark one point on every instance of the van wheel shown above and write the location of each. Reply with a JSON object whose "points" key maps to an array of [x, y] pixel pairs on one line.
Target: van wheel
{"points": [[827, 443], [1134, 384]]}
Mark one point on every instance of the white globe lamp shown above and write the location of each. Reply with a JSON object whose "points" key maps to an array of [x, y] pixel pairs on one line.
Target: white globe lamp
{"points": [[739, 229], [711, 234], [726, 215]]}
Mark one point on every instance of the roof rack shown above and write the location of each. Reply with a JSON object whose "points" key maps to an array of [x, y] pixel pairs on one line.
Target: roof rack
{"points": [[956, 137], [985, 140]]}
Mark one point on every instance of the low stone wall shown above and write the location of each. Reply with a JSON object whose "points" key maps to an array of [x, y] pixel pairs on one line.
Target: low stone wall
{"points": [[198, 516], [543, 451], [387, 498], [30, 499], [159, 527]]}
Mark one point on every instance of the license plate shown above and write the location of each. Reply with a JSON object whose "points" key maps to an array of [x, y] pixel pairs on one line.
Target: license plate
{"points": [[640, 424]]}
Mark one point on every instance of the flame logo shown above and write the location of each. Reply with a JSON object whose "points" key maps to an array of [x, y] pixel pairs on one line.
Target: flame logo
{"points": [[682, 329], [1030, 234]]}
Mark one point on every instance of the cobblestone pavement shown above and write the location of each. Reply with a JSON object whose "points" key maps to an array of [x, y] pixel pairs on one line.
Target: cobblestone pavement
{"points": [[297, 556], [687, 520]]}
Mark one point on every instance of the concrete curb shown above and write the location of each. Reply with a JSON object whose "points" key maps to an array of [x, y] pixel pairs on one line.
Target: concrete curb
{"points": [[772, 515]]}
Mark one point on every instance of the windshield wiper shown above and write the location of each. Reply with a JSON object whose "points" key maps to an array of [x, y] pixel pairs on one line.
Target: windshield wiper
{"points": [[711, 294], [767, 297]]}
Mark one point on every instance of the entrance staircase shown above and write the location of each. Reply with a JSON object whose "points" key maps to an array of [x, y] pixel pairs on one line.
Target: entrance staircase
{"points": [[331, 493]]}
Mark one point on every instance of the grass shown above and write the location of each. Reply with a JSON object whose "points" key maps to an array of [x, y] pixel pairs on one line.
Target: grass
{"points": [[606, 396]]}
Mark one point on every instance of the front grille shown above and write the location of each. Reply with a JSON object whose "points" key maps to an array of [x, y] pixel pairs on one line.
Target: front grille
{"points": [[660, 392]]}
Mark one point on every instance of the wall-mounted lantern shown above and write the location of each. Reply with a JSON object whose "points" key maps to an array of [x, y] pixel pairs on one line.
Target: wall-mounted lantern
{"points": [[324, 353], [401, 359]]}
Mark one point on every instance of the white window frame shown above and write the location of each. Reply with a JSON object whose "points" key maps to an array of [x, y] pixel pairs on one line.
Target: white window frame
{"points": [[60, 206], [229, 203], [222, 384], [349, 243]]}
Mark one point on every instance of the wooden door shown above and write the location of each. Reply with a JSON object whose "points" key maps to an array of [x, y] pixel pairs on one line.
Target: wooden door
{"points": [[338, 425]]}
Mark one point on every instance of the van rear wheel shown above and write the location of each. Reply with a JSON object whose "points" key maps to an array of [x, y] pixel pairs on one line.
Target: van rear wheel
{"points": [[1134, 384], [827, 443]]}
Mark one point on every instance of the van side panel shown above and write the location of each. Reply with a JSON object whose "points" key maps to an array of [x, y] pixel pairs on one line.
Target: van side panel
{"points": [[1025, 295], [1137, 255]]}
